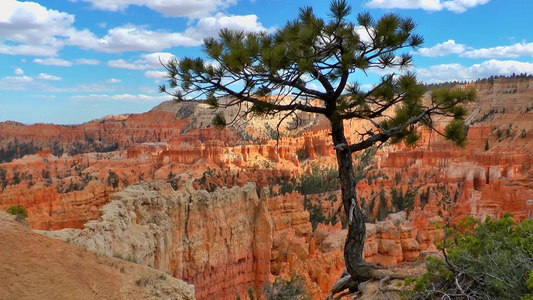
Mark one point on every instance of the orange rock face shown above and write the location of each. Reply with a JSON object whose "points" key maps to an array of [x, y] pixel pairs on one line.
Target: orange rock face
{"points": [[197, 237], [62, 186]]}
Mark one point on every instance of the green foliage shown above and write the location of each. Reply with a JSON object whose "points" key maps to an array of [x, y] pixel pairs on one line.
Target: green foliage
{"points": [[363, 163], [19, 211], [273, 133], [62, 188], [316, 215], [319, 180], [174, 183], [484, 260], [15, 149], [3, 178], [16, 177], [280, 289], [112, 179], [403, 201], [292, 289], [91, 145]]}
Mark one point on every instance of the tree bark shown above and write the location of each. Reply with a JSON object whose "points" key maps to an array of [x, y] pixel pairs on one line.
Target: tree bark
{"points": [[353, 249]]}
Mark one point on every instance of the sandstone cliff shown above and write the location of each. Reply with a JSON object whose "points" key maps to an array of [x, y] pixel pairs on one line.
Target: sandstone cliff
{"points": [[198, 237]]}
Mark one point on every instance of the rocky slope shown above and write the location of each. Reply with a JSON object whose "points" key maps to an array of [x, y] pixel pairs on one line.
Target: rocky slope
{"points": [[36, 267]]}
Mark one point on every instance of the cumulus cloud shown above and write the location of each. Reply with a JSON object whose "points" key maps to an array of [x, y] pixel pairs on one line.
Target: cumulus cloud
{"points": [[155, 74], [450, 47], [28, 28], [442, 49], [18, 71], [139, 38], [31, 28], [516, 50], [169, 8], [457, 6], [122, 64], [113, 80], [86, 61], [44, 76], [145, 61], [131, 38], [120, 97], [210, 26], [52, 61], [451, 72]]}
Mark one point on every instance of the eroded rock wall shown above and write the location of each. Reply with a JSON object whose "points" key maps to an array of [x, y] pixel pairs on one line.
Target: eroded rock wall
{"points": [[229, 240]]}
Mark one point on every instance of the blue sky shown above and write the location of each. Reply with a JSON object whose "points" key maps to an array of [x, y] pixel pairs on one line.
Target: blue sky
{"points": [[68, 62]]}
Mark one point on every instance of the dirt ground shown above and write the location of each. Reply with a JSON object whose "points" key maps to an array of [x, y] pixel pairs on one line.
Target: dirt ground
{"points": [[33, 266]]}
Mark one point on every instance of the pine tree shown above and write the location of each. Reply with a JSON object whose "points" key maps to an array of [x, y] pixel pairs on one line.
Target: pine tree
{"points": [[310, 59]]}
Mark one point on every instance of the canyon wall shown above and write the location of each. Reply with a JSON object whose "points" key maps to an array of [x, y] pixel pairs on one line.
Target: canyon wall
{"points": [[175, 141], [200, 238]]}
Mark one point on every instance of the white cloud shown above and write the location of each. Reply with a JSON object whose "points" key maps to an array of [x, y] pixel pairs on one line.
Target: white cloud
{"points": [[120, 63], [131, 38], [31, 28], [460, 6], [32, 50], [145, 61], [28, 28], [113, 80], [16, 83], [51, 61], [85, 61], [442, 49], [120, 97], [83, 88], [457, 6], [516, 50], [169, 8], [155, 74], [451, 72], [210, 26], [18, 71], [44, 76]]}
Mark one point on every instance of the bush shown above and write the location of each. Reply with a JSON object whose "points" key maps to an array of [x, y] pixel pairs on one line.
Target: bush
{"points": [[482, 260], [19, 211], [292, 289]]}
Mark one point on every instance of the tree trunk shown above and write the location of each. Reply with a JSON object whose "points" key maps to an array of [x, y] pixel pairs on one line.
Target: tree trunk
{"points": [[355, 240]]}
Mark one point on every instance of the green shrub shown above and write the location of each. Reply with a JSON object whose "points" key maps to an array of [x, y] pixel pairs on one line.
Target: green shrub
{"points": [[19, 211], [482, 260], [292, 289]]}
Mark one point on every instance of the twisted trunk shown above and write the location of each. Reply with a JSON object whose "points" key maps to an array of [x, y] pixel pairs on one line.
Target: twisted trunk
{"points": [[355, 240]]}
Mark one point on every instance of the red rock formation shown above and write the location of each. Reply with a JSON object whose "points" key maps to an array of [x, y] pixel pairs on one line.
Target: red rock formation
{"points": [[174, 142], [197, 237]]}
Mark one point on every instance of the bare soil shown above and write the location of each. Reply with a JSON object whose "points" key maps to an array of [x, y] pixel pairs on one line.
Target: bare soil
{"points": [[33, 266]]}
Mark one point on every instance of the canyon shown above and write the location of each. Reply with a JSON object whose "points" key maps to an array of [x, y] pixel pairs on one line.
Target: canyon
{"points": [[197, 236], [166, 189]]}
